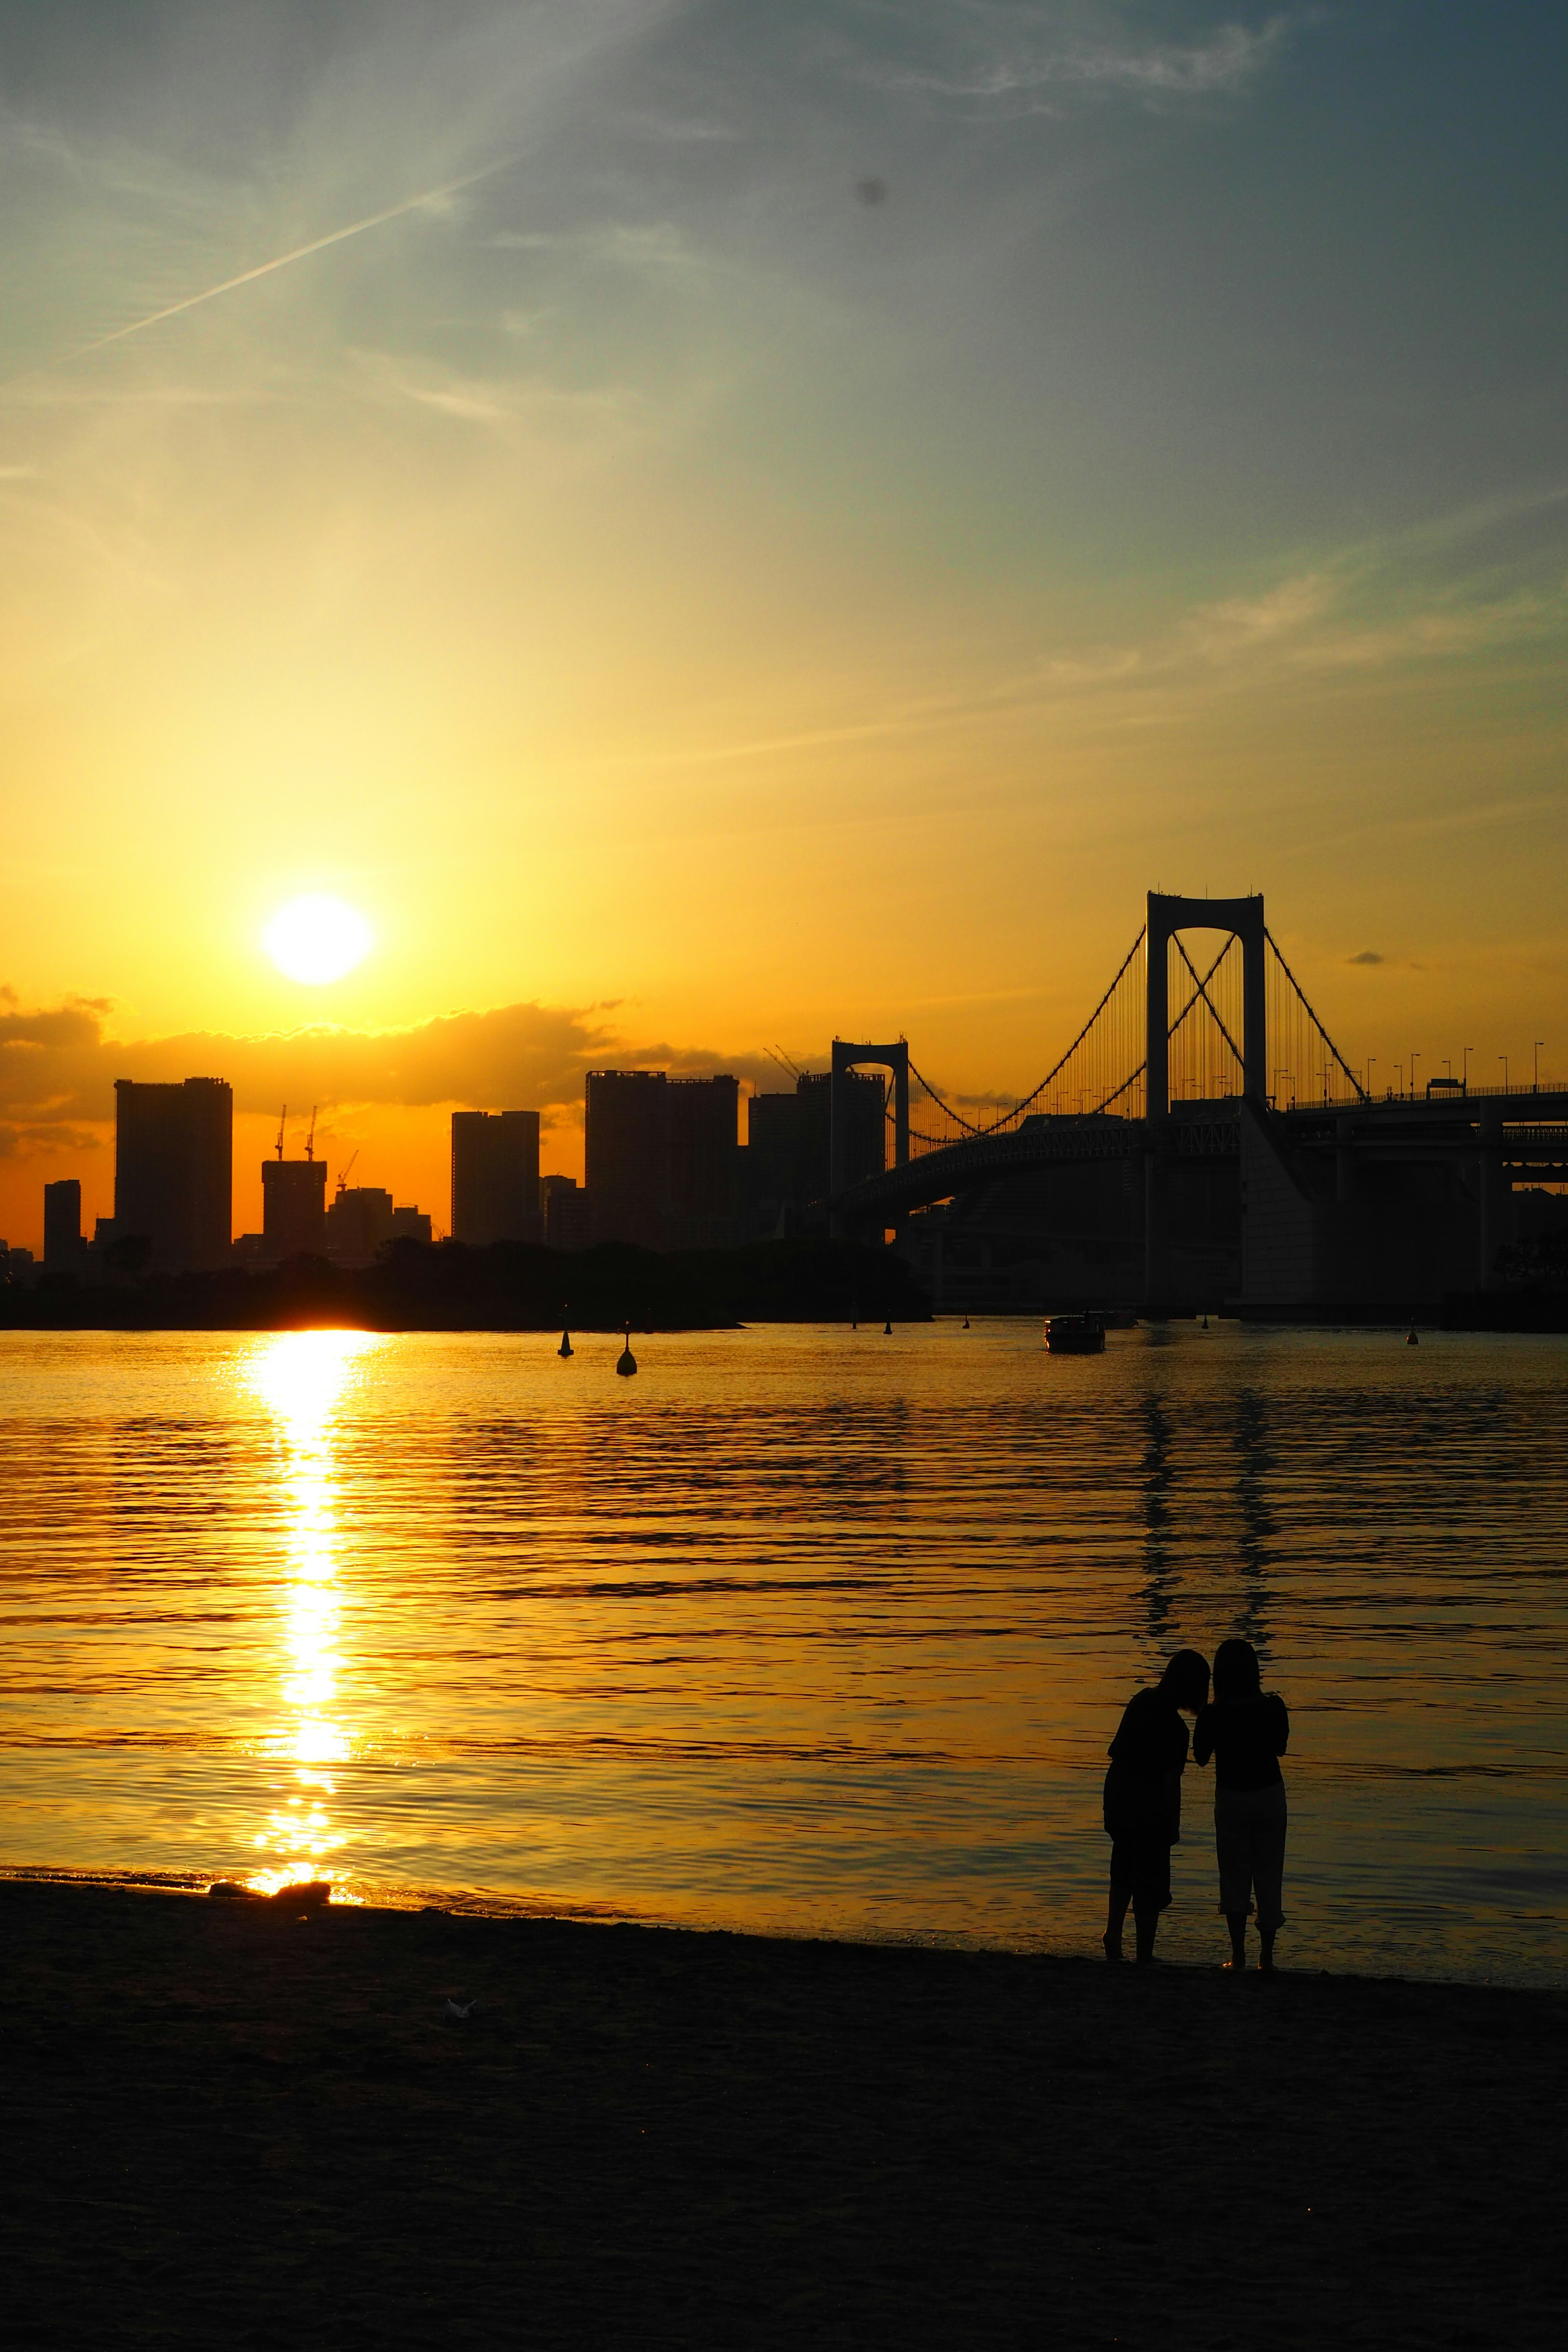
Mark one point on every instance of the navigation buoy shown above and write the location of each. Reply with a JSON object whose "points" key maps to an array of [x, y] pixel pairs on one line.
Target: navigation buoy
{"points": [[966, 1322], [1413, 1337], [887, 1331], [626, 1362], [1205, 1322], [565, 1348]]}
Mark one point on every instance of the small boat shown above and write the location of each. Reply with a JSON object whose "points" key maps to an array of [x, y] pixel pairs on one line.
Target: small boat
{"points": [[626, 1362], [1075, 1335]]}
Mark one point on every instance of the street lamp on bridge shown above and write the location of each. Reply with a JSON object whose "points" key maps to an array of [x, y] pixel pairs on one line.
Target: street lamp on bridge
{"points": [[1504, 1059], [1465, 1069], [1413, 1059], [1538, 1042]]}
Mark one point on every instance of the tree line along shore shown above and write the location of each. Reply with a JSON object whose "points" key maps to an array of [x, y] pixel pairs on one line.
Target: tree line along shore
{"points": [[508, 1286]]}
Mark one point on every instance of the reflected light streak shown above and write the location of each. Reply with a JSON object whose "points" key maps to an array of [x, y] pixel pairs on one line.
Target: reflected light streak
{"points": [[301, 1377]]}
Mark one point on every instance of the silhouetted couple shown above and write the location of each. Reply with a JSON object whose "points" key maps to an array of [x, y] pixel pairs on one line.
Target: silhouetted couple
{"points": [[1246, 1730]]}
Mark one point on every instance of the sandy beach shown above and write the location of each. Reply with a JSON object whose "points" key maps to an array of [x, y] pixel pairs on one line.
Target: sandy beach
{"points": [[241, 2124]]}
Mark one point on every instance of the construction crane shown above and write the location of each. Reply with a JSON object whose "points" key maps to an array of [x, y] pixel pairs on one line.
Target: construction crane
{"points": [[310, 1139], [344, 1179], [282, 1123]]}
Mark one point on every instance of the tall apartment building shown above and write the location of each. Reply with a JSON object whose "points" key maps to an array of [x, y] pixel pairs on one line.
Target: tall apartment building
{"points": [[357, 1222], [174, 1170], [661, 1158], [705, 1115], [293, 1208], [566, 1212], [790, 1142], [627, 1155], [64, 1248], [495, 1176], [866, 1100], [772, 1153]]}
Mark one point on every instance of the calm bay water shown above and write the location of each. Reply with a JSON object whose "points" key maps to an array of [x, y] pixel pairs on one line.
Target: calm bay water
{"points": [[802, 1629]]}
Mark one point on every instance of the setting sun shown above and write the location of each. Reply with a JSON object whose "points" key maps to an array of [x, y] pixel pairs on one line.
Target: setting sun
{"points": [[317, 938]]}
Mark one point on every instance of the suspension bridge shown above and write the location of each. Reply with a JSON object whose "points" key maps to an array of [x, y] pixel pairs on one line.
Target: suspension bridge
{"points": [[1240, 1154]]}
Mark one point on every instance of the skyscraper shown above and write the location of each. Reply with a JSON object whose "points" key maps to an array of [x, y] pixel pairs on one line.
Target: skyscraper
{"points": [[661, 1159], [357, 1222], [566, 1212], [627, 1154], [702, 1143], [64, 1250], [866, 1098], [174, 1170], [772, 1154], [293, 1208], [790, 1155], [495, 1176]]}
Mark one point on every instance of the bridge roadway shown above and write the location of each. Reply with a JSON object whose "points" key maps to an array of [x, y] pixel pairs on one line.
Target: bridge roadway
{"points": [[1527, 1128]]}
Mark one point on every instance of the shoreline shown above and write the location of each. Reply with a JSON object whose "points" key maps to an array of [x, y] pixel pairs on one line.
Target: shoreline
{"points": [[239, 2117], [482, 1904]]}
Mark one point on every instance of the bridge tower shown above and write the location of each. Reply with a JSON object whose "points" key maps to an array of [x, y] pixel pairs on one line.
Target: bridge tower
{"points": [[1243, 917], [848, 1057]]}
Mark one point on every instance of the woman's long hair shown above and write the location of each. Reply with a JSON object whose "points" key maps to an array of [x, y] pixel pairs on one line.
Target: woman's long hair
{"points": [[1235, 1674], [1186, 1679]]}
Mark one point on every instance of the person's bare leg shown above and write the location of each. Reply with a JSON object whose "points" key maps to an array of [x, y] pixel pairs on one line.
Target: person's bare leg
{"points": [[1236, 1922], [1147, 1924], [1120, 1898], [1265, 1956]]}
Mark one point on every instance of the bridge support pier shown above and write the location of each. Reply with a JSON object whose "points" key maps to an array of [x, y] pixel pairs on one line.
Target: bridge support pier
{"points": [[1156, 1229], [847, 1057], [1495, 1195]]}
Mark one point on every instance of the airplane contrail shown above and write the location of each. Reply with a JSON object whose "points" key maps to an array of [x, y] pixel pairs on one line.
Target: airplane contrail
{"points": [[265, 268]]}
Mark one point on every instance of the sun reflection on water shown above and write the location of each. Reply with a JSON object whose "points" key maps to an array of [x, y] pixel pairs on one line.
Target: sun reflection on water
{"points": [[302, 1378]]}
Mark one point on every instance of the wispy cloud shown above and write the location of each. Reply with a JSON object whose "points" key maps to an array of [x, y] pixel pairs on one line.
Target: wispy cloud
{"points": [[1006, 62], [429, 200], [1239, 624]]}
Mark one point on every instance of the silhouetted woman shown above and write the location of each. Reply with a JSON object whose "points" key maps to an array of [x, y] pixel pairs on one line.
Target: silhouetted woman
{"points": [[1143, 1798], [1247, 1732]]}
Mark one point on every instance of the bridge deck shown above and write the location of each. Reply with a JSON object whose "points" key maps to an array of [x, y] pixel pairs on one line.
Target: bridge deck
{"points": [[1532, 1140]]}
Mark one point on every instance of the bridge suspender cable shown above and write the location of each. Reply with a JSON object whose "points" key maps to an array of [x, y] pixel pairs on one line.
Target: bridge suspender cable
{"points": [[1106, 1047], [1361, 1094], [1201, 988], [1019, 1108]]}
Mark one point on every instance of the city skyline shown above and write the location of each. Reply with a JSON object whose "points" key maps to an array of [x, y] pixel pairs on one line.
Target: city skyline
{"points": [[705, 527], [63, 1056]]}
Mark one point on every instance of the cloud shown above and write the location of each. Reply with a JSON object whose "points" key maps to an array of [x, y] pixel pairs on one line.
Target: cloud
{"points": [[57, 1066], [1240, 624], [1221, 62], [1367, 955]]}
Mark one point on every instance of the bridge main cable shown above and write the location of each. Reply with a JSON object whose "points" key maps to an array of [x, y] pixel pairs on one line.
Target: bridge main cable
{"points": [[1019, 1108]]}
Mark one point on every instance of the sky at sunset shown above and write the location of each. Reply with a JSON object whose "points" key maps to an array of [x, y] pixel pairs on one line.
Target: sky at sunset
{"points": [[715, 525]]}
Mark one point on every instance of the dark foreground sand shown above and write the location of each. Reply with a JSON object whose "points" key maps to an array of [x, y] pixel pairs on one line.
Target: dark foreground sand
{"points": [[228, 2126]]}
